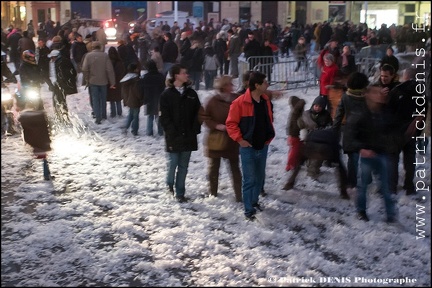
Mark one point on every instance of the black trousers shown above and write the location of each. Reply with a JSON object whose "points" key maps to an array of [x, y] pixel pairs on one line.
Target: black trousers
{"points": [[409, 158]]}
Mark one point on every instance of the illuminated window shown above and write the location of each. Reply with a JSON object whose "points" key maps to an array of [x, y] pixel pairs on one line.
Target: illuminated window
{"points": [[22, 10]]}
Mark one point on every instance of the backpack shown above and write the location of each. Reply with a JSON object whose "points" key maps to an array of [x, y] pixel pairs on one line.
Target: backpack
{"points": [[210, 62]]}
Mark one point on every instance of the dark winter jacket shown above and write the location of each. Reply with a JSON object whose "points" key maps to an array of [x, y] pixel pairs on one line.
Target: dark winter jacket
{"points": [[220, 47], [322, 144], [120, 72], [78, 50], [404, 107], [131, 90], [179, 119], [26, 43], [267, 51], [351, 106], [350, 68], [30, 75], [169, 52], [194, 59], [185, 45], [43, 60], [153, 84], [252, 48], [66, 75], [12, 43], [373, 131], [325, 36], [127, 54]]}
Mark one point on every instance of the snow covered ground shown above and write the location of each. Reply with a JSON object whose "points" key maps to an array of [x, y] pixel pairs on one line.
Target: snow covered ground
{"points": [[107, 219]]}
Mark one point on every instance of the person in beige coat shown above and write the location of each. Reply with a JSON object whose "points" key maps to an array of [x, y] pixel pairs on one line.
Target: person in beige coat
{"points": [[98, 72], [214, 116]]}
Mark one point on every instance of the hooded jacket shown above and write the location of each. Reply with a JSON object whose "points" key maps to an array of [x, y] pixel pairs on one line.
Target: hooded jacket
{"points": [[312, 120], [296, 105], [131, 90]]}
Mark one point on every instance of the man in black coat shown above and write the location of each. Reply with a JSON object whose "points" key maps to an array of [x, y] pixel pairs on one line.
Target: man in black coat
{"points": [[326, 33], [169, 52], [372, 138], [252, 48], [43, 61], [127, 53], [185, 44]]}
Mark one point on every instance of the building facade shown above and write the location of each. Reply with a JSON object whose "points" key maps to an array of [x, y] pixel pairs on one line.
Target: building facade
{"points": [[283, 13]]}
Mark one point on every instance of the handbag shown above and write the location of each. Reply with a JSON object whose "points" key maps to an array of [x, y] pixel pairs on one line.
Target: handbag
{"points": [[217, 140]]}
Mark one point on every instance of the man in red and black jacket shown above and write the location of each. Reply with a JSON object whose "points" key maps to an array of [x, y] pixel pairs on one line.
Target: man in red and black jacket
{"points": [[250, 123]]}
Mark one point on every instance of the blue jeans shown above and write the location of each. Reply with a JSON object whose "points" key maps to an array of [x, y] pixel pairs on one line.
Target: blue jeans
{"points": [[353, 163], [133, 119], [150, 119], [178, 161], [253, 170], [196, 78], [98, 95], [116, 108], [378, 165], [209, 76], [166, 67], [46, 171]]}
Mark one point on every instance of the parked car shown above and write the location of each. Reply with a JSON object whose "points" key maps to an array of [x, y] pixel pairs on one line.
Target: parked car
{"points": [[168, 16], [113, 29]]}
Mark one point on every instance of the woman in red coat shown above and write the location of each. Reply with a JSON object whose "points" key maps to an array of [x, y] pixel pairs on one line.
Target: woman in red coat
{"points": [[328, 75]]}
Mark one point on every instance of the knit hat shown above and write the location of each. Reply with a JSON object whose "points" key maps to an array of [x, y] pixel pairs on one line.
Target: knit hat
{"points": [[319, 101]]}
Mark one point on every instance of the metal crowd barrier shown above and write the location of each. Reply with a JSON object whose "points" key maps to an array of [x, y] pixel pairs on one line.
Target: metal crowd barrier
{"points": [[282, 75], [368, 66]]}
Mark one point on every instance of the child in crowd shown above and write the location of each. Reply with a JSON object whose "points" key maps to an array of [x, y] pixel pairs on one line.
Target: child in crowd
{"points": [[132, 97], [315, 118], [300, 52], [293, 132], [36, 133]]}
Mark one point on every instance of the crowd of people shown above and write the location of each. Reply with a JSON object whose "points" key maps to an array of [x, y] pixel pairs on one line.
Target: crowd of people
{"points": [[373, 121]]}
